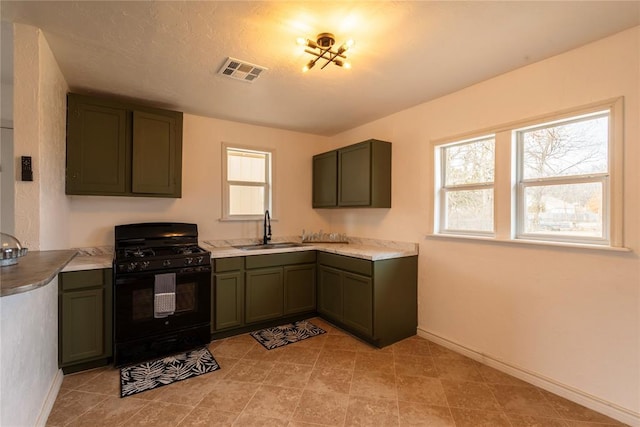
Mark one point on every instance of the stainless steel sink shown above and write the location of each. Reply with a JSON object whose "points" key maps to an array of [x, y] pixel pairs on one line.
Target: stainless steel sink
{"points": [[277, 245]]}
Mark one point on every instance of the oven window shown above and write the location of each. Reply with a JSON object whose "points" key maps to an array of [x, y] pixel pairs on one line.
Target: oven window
{"points": [[186, 297], [143, 301], [142, 304]]}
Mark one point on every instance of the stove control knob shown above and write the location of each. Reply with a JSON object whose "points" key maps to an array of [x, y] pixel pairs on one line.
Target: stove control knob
{"points": [[188, 261], [199, 260], [132, 266], [166, 263], [144, 265]]}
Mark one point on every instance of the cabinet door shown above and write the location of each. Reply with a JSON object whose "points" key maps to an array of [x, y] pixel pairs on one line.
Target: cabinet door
{"points": [[358, 302], [330, 292], [96, 148], [228, 301], [264, 294], [354, 175], [156, 163], [325, 180], [299, 288], [82, 325]]}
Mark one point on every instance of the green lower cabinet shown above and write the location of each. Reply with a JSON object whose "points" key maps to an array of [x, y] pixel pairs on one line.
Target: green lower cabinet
{"points": [[347, 298], [264, 294], [85, 319], [228, 301], [330, 292], [375, 300], [299, 288], [357, 311]]}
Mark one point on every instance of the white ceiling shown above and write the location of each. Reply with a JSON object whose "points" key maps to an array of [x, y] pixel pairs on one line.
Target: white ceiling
{"points": [[406, 52]]}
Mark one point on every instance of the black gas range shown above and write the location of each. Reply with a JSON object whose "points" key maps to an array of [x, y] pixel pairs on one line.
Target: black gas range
{"points": [[162, 291]]}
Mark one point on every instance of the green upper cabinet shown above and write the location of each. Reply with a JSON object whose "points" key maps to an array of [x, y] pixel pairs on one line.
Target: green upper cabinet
{"points": [[325, 180], [97, 142], [355, 176], [120, 149]]}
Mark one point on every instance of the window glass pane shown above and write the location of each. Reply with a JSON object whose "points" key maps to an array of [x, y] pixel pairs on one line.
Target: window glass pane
{"points": [[246, 200], [470, 210], [246, 166], [575, 148], [470, 163], [568, 210]]}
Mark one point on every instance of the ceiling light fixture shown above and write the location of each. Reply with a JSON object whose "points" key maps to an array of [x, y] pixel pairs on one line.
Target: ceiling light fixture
{"points": [[322, 49]]}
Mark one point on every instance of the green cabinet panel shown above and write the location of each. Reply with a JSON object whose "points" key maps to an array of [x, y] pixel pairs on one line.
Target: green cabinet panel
{"points": [[97, 146], [227, 295], [156, 154], [325, 180], [375, 300], [82, 317], [357, 309], [119, 149], [264, 294], [354, 175], [85, 318], [228, 301], [330, 300], [362, 176], [285, 258], [299, 288]]}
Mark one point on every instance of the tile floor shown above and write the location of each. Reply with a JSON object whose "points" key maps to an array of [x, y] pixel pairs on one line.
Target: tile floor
{"points": [[332, 379]]}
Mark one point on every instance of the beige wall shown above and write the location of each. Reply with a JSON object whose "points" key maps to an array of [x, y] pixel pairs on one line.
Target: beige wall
{"points": [[41, 208], [570, 315], [26, 131], [93, 218]]}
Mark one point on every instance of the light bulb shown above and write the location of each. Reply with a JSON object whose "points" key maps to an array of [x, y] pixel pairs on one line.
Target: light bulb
{"points": [[309, 66], [301, 41], [347, 65]]}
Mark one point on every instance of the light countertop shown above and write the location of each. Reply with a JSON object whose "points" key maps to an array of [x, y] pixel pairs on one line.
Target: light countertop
{"points": [[34, 270], [373, 250]]}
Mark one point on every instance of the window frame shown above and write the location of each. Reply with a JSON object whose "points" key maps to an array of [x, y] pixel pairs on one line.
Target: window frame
{"points": [[268, 184], [506, 212], [442, 189]]}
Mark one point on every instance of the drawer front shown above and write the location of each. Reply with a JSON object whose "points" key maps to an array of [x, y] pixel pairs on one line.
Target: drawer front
{"points": [[273, 260], [221, 265], [83, 279], [355, 265]]}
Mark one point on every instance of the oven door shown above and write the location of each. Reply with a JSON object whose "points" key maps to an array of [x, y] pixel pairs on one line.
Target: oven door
{"points": [[135, 310]]}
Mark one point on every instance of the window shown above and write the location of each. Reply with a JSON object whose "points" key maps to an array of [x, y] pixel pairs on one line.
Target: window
{"points": [[466, 186], [554, 180], [563, 179], [247, 182]]}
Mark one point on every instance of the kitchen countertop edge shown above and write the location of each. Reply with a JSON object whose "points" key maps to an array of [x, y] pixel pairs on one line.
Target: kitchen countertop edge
{"points": [[368, 252], [33, 271]]}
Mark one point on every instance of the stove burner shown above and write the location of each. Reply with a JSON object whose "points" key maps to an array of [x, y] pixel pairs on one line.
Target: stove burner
{"points": [[139, 253], [187, 250]]}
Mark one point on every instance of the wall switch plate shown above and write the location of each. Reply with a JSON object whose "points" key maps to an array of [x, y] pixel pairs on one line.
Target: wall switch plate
{"points": [[27, 168]]}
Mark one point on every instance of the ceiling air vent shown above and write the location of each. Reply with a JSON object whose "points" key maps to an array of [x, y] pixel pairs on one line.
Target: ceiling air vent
{"points": [[241, 70]]}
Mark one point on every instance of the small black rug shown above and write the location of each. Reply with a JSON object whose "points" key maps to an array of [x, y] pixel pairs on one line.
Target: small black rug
{"points": [[157, 373], [279, 336]]}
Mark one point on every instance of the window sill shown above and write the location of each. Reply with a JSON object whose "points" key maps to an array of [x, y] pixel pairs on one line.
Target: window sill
{"points": [[495, 240]]}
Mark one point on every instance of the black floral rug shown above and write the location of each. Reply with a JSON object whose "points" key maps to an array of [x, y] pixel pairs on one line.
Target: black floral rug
{"points": [[279, 336], [157, 373]]}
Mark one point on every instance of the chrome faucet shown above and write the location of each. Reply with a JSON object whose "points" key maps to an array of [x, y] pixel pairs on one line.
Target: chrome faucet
{"points": [[267, 228]]}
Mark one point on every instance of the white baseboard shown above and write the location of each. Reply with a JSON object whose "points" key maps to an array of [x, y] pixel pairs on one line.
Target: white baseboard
{"points": [[45, 411], [578, 396]]}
